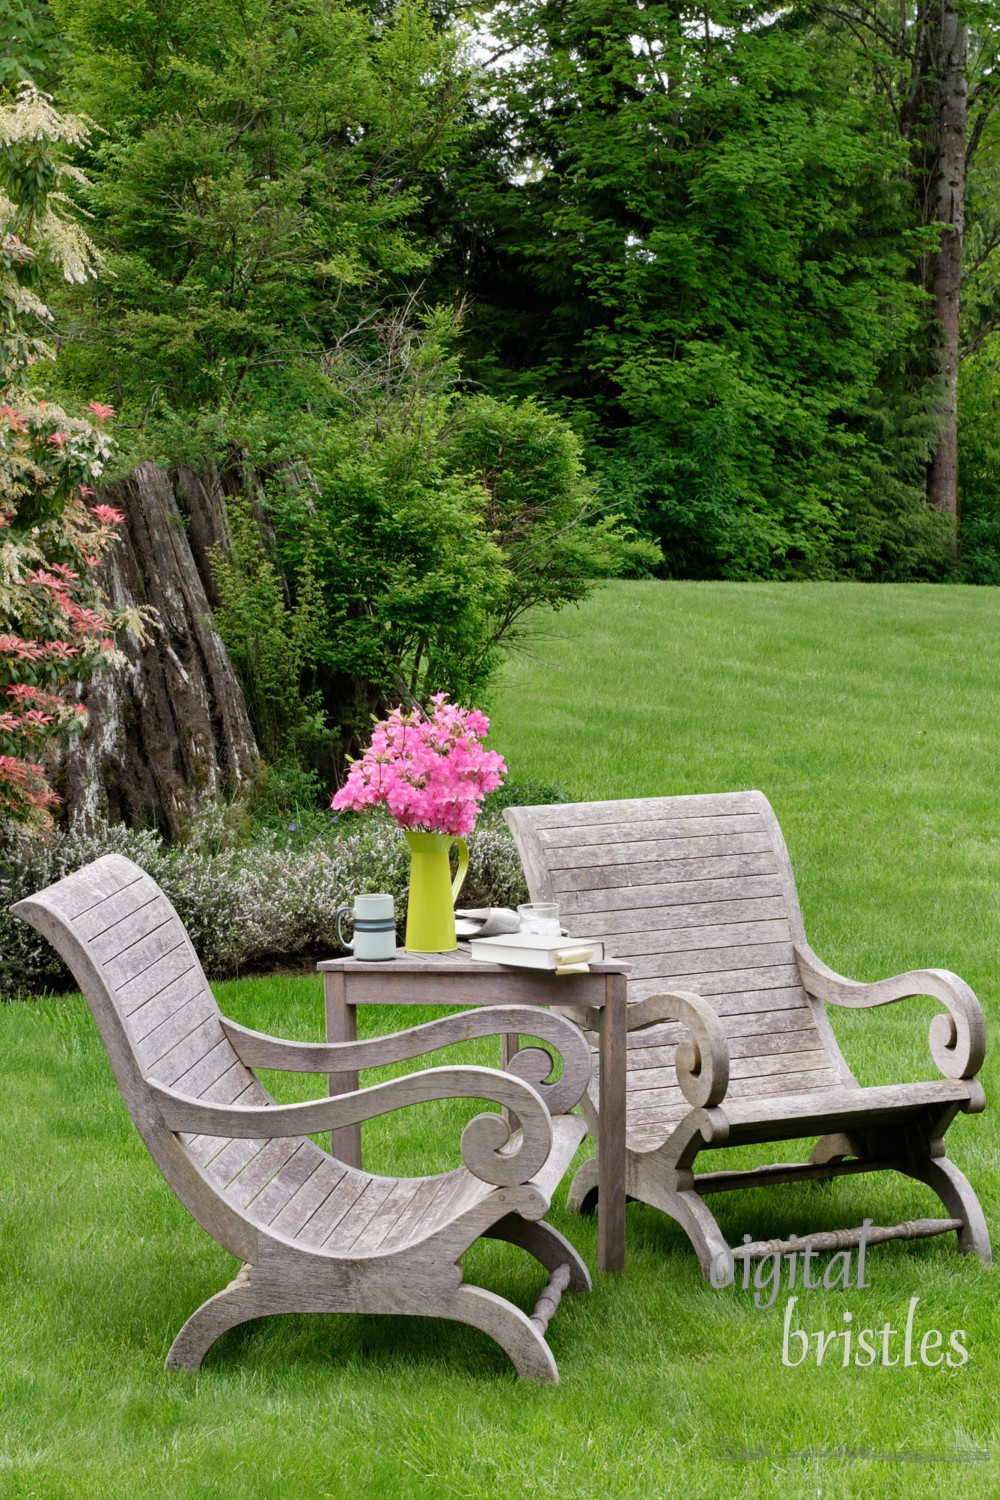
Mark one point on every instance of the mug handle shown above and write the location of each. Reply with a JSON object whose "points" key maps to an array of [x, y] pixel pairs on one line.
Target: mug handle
{"points": [[345, 911], [463, 868]]}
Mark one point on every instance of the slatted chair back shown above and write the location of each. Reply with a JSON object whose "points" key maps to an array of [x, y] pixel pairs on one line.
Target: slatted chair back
{"points": [[697, 893], [160, 1022]]}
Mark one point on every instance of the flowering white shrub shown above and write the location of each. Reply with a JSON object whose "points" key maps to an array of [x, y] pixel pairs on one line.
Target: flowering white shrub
{"points": [[246, 908]]}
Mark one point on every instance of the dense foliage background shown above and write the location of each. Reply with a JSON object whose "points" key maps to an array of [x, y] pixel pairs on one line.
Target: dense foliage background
{"points": [[481, 304]]}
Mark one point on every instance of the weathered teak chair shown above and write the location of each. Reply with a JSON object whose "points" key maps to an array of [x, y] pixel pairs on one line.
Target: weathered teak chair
{"points": [[314, 1234], [729, 1042]]}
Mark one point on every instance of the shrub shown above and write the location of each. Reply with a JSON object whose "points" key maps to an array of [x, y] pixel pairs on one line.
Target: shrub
{"points": [[55, 624], [411, 532], [245, 908]]}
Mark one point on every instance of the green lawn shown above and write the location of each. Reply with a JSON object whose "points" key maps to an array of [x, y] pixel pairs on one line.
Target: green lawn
{"points": [[869, 717]]}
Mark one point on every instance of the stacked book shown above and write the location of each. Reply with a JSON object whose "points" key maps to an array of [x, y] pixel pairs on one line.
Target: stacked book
{"points": [[525, 950]]}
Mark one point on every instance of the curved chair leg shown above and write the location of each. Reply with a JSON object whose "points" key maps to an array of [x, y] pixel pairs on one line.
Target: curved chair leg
{"points": [[546, 1244], [237, 1303], [700, 1225], [958, 1197], [507, 1326], [583, 1189]]}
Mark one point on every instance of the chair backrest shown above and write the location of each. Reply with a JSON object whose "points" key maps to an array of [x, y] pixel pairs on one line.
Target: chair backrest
{"points": [[697, 892], [131, 955]]}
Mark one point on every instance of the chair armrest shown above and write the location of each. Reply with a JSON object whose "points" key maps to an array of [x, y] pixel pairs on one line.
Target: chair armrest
{"points": [[532, 1064], [702, 1062], [484, 1139], [957, 1040]]}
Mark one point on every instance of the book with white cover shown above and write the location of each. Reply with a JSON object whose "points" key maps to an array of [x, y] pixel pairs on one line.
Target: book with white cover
{"points": [[530, 950]]}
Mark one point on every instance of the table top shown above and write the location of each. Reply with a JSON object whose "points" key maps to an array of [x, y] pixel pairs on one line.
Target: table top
{"points": [[458, 962]]}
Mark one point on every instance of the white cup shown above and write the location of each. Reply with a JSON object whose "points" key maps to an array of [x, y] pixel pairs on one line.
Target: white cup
{"points": [[374, 928], [540, 919]]}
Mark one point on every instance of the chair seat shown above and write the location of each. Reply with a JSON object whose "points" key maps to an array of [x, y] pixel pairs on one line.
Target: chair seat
{"points": [[293, 1188], [787, 1117]]}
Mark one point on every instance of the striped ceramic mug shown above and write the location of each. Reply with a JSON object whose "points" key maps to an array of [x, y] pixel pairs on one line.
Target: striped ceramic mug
{"points": [[374, 928]]}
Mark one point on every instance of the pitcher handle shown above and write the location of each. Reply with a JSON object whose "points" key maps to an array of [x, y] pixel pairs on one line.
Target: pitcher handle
{"points": [[463, 868]]}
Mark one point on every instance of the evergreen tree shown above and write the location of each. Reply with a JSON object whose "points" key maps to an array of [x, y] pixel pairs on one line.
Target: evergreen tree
{"points": [[255, 187], [690, 229]]}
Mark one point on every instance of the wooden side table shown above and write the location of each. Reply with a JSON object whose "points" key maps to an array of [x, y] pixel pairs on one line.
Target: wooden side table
{"points": [[457, 979]]}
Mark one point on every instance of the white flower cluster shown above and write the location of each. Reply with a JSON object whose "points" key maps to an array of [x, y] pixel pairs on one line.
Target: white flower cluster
{"points": [[248, 908], [31, 119]]}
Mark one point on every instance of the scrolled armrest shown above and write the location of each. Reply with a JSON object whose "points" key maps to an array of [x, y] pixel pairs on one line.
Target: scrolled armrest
{"points": [[485, 1140], [702, 1062], [957, 1040], [532, 1064]]}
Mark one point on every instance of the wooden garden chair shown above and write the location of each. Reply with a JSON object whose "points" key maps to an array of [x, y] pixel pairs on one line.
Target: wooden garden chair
{"points": [[313, 1234], [729, 1041]]}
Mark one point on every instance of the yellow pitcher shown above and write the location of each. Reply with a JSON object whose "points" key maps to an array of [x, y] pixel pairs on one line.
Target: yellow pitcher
{"points": [[430, 911]]}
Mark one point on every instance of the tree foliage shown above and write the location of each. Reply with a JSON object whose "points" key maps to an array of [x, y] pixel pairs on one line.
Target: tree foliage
{"points": [[422, 529], [653, 289], [258, 190], [255, 188], [690, 224], [32, 47]]}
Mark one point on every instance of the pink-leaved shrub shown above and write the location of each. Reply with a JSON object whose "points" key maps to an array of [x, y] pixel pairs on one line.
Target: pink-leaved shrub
{"points": [[56, 626]]}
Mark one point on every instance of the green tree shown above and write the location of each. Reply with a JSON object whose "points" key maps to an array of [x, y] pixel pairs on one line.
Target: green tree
{"points": [[689, 227], [256, 187], [541, 510], [32, 47], [414, 533], [259, 189]]}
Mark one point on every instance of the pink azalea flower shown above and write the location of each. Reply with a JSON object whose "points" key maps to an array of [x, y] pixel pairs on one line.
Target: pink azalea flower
{"points": [[431, 773]]}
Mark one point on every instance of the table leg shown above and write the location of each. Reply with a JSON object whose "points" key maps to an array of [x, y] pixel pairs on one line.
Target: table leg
{"points": [[342, 1026], [611, 1142]]}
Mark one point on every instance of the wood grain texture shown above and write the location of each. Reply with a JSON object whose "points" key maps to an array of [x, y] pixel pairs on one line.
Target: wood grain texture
{"points": [[456, 977], [612, 1110], [260, 1051], [957, 1041], [729, 1042], [487, 1148], [315, 1233], [680, 869]]}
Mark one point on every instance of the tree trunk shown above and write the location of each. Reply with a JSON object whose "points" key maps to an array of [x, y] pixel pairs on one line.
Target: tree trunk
{"points": [[170, 733], [935, 122]]}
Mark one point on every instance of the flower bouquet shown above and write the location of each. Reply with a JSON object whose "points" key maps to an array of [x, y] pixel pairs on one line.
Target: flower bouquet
{"points": [[432, 773]]}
